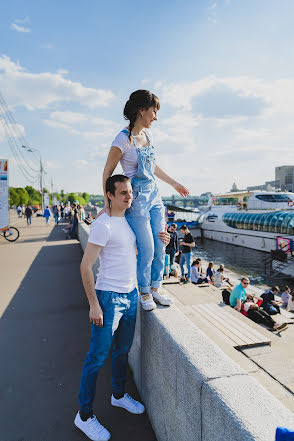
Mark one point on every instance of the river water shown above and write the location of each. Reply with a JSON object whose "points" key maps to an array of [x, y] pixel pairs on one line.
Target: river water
{"points": [[243, 261]]}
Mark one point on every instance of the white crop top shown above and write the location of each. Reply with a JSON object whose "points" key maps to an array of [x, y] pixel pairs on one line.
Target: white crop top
{"points": [[129, 159]]}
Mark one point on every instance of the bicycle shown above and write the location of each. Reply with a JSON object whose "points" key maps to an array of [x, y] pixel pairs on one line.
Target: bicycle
{"points": [[12, 234]]}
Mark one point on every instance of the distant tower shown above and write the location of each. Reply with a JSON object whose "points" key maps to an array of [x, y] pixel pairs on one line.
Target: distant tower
{"points": [[234, 187]]}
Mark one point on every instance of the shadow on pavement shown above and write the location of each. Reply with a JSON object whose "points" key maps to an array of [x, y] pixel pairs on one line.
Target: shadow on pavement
{"points": [[44, 337]]}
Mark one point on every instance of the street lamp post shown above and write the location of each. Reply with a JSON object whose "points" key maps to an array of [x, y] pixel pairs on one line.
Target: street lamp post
{"points": [[29, 149]]}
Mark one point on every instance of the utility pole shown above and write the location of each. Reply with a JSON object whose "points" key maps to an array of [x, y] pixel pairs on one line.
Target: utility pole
{"points": [[51, 190], [29, 149], [41, 184]]}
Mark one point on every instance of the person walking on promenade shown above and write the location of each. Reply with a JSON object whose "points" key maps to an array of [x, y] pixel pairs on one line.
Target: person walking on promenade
{"points": [[18, 209], [56, 213], [75, 221], [173, 247], [186, 244], [112, 307], [134, 148], [47, 215], [29, 214]]}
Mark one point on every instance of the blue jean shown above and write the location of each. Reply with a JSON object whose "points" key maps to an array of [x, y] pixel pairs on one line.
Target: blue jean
{"points": [[171, 252], [185, 257], [119, 318], [47, 219], [29, 220], [146, 218]]}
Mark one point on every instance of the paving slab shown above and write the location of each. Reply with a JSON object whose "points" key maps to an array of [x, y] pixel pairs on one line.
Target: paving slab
{"points": [[44, 337]]}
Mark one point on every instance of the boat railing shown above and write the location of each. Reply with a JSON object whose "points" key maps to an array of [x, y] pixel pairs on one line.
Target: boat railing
{"points": [[277, 261]]}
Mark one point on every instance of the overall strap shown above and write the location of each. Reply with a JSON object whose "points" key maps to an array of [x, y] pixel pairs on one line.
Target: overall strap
{"points": [[126, 131]]}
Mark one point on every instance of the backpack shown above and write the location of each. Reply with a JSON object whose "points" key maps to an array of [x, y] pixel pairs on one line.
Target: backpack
{"points": [[226, 296]]}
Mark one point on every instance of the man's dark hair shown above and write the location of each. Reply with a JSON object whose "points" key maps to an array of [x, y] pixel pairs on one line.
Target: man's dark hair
{"points": [[112, 180], [184, 227], [174, 225], [275, 288]]}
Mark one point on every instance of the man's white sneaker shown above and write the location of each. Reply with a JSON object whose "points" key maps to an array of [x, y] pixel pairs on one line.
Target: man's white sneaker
{"points": [[92, 428], [128, 403], [162, 297], [147, 302]]}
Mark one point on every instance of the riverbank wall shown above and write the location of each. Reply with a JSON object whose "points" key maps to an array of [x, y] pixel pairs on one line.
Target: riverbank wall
{"points": [[191, 389]]}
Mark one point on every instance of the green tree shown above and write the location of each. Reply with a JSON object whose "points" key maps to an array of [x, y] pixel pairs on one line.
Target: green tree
{"points": [[34, 195], [13, 197], [71, 197], [23, 196], [86, 197]]}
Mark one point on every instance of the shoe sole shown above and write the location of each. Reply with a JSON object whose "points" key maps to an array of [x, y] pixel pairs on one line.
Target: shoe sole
{"points": [[148, 309], [122, 407], [163, 303]]}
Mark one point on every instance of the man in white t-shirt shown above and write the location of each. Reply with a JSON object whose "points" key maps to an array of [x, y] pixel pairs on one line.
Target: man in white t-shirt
{"points": [[113, 305]]}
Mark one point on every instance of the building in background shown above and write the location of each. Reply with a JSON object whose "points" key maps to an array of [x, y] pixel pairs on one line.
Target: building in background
{"points": [[285, 175]]}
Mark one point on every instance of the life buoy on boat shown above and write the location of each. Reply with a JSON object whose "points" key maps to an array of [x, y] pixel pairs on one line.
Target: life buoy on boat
{"points": [[290, 203]]}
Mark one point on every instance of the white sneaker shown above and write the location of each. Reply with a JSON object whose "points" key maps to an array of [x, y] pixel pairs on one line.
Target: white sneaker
{"points": [[147, 302], [128, 403], [92, 428], [162, 297]]}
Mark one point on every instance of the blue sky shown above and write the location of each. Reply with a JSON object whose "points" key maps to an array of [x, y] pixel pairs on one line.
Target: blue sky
{"points": [[223, 71]]}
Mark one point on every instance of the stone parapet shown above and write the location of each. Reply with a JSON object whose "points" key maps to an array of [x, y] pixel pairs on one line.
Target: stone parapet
{"points": [[191, 389]]}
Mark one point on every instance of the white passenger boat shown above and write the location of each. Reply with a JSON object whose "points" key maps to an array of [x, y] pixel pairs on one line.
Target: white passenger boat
{"points": [[260, 220]]}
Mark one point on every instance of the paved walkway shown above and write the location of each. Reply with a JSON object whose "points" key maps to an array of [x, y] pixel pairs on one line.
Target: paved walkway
{"points": [[44, 337]]}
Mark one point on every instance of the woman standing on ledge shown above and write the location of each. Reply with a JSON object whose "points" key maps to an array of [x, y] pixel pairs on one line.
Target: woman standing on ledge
{"points": [[133, 148]]}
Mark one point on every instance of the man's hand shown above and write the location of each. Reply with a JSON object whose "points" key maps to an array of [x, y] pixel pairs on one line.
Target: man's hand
{"points": [[96, 315], [164, 236]]}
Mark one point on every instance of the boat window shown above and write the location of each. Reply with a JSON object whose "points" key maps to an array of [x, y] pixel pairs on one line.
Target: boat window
{"points": [[273, 198]]}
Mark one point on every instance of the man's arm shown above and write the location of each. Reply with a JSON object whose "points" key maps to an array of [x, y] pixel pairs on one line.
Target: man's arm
{"points": [[238, 306], [90, 256], [189, 244]]}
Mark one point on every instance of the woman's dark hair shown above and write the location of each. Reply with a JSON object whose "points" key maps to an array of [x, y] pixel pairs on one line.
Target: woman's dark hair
{"points": [[140, 99]]}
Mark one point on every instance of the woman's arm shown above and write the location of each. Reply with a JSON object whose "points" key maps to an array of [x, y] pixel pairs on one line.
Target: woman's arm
{"points": [[166, 178], [113, 159]]}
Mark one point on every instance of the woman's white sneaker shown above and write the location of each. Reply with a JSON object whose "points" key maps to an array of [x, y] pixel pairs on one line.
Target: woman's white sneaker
{"points": [[147, 302], [128, 403], [92, 428], [162, 297]]}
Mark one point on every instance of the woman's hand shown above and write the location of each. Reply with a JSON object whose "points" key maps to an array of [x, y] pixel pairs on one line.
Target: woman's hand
{"points": [[104, 210], [183, 191], [164, 236]]}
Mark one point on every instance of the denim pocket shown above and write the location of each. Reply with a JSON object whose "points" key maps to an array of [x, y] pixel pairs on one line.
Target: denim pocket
{"points": [[104, 298]]}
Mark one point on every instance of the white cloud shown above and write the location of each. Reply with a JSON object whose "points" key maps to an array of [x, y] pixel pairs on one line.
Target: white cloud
{"points": [[90, 127], [47, 46], [80, 163], [52, 165], [17, 28], [40, 90], [16, 25]]}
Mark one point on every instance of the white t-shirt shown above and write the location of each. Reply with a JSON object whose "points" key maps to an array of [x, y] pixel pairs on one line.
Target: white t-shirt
{"points": [[129, 159], [118, 263]]}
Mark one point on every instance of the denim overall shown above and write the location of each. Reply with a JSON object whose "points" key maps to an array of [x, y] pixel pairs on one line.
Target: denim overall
{"points": [[146, 217]]}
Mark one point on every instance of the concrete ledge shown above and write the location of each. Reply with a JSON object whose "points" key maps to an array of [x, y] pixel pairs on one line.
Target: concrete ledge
{"points": [[191, 389]]}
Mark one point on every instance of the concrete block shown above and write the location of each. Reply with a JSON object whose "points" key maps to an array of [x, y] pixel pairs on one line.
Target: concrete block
{"points": [[238, 408]]}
